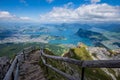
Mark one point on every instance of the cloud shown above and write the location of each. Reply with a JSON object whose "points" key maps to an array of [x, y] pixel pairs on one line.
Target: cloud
{"points": [[6, 16], [92, 12], [25, 18], [69, 5], [95, 1], [49, 1], [24, 2]]}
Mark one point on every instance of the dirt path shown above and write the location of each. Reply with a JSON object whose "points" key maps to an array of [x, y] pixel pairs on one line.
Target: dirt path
{"points": [[30, 69]]}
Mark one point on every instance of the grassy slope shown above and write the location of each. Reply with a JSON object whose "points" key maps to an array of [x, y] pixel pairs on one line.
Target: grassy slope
{"points": [[11, 49], [81, 54], [50, 74], [94, 74]]}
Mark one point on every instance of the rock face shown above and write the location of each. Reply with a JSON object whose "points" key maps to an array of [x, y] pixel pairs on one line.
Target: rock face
{"points": [[117, 51], [99, 53], [117, 54], [4, 65]]}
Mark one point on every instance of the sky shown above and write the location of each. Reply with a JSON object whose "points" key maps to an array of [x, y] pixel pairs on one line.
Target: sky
{"points": [[59, 11]]}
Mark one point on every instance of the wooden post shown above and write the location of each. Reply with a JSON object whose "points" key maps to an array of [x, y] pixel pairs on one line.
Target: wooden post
{"points": [[23, 54], [46, 68], [12, 76], [82, 74]]}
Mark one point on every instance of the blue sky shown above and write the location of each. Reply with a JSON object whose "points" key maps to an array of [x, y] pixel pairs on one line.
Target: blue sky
{"points": [[33, 7], [45, 10]]}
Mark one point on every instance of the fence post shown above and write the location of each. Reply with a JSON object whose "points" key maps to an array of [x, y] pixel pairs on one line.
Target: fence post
{"points": [[46, 69], [12, 76], [82, 74], [23, 54], [46, 66]]}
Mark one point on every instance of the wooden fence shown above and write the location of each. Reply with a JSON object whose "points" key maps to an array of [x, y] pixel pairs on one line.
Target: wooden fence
{"points": [[13, 71], [81, 63]]}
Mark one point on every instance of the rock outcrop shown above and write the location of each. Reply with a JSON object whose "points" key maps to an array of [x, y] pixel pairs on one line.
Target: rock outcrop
{"points": [[99, 53]]}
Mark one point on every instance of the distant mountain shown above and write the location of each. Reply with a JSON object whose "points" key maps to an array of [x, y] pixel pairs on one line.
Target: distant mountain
{"points": [[71, 25], [5, 33], [112, 27], [94, 36]]}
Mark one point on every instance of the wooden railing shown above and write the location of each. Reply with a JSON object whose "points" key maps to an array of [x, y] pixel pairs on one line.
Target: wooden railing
{"points": [[81, 63], [13, 71]]}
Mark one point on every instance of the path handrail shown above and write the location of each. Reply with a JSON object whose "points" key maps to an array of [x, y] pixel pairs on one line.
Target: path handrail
{"points": [[81, 63], [69, 77], [86, 63], [13, 71]]}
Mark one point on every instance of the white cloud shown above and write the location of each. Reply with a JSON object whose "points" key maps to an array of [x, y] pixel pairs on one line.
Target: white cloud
{"points": [[69, 5], [25, 18], [24, 2], [92, 12], [6, 16], [95, 1], [49, 1]]}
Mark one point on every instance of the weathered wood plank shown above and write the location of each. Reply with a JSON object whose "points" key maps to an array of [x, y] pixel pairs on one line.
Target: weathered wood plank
{"points": [[69, 77], [11, 69], [65, 59], [102, 64], [86, 63], [16, 72]]}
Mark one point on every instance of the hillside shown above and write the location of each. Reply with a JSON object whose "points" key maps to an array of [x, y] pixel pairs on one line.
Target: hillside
{"points": [[82, 52], [94, 36], [11, 49]]}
